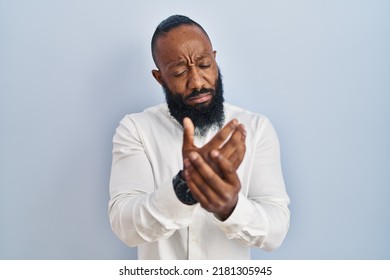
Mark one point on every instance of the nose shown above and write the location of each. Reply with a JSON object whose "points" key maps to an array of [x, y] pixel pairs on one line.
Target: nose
{"points": [[195, 80]]}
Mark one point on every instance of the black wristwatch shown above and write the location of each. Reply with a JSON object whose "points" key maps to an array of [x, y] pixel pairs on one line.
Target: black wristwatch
{"points": [[182, 191]]}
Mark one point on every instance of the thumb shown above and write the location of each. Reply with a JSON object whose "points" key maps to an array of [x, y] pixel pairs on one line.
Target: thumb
{"points": [[188, 136]]}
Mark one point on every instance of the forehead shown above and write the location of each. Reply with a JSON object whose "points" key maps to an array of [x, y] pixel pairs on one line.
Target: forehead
{"points": [[184, 41]]}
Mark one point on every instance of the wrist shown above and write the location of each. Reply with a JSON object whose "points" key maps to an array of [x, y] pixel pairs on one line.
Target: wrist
{"points": [[227, 213], [181, 189]]}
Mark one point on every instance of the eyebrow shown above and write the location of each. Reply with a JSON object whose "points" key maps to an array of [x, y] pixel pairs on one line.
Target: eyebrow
{"points": [[202, 56], [182, 62]]}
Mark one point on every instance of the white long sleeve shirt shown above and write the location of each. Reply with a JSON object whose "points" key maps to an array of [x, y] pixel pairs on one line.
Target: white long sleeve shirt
{"points": [[145, 212]]}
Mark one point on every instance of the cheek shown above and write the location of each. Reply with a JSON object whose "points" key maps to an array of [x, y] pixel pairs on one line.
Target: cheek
{"points": [[213, 71], [211, 76], [176, 86]]}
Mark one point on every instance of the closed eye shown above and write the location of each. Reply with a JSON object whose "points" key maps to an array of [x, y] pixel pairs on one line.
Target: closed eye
{"points": [[177, 75]]}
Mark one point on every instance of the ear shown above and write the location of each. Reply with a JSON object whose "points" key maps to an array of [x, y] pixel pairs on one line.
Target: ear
{"points": [[157, 75], [215, 54]]}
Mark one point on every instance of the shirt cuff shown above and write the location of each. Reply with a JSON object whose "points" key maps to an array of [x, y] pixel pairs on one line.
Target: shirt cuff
{"points": [[241, 218]]}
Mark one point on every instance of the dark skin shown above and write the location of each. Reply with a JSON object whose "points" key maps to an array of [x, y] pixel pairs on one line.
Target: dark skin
{"points": [[186, 62]]}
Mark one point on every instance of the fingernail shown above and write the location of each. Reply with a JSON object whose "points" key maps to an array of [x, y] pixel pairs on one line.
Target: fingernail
{"points": [[193, 156], [214, 153]]}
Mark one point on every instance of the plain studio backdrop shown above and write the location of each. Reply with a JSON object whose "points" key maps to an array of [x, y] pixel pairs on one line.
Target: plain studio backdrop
{"points": [[70, 70]]}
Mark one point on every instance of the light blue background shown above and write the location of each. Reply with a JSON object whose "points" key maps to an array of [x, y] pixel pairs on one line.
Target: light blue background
{"points": [[70, 70]]}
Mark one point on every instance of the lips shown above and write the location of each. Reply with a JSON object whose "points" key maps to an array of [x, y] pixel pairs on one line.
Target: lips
{"points": [[200, 98]]}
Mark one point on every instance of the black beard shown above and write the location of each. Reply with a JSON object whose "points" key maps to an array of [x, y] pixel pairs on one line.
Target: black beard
{"points": [[203, 116]]}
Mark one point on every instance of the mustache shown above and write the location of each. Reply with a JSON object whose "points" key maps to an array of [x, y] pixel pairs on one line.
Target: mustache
{"points": [[195, 93]]}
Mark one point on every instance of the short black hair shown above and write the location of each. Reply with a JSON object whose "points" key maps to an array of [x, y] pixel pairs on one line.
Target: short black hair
{"points": [[167, 25]]}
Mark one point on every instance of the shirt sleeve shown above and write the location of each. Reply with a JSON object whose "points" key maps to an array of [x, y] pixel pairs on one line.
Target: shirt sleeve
{"points": [[261, 218], [138, 211]]}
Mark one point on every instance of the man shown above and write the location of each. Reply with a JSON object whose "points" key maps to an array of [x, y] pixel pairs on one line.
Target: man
{"points": [[195, 178]]}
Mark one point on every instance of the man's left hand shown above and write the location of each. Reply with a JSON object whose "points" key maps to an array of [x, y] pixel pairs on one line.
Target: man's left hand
{"points": [[215, 193]]}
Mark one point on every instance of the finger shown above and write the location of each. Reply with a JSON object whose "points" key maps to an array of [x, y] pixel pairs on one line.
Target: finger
{"points": [[237, 139], [226, 167], [242, 128], [220, 138], [226, 193], [209, 182], [188, 135], [238, 156], [205, 194], [235, 143], [194, 184]]}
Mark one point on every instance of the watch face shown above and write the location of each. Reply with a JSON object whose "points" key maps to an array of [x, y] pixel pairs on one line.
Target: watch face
{"points": [[184, 194]]}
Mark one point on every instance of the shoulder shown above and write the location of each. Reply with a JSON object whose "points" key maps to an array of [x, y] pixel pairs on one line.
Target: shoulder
{"points": [[152, 116], [131, 120], [152, 112], [239, 111], [258, 126], [244, 116], [152, 120]]}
